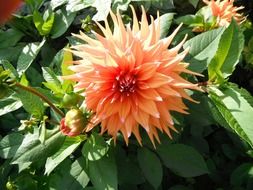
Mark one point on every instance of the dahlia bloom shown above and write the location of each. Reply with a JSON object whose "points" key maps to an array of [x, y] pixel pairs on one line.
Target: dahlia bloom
{"points": [[7, 7], [224, 11], [131, 78]]}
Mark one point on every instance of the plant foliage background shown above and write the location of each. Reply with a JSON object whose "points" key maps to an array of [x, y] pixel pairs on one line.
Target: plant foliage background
{"points": [[213, 149]]}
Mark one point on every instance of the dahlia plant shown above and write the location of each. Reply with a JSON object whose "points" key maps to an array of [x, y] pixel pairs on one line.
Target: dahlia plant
{"points": [[125, 94]]}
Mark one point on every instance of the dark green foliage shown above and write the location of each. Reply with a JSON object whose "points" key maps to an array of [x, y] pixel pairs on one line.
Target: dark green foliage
{"points": [[213, 146]]}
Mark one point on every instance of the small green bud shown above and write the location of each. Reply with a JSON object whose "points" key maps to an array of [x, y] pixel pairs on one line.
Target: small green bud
{"points": [[10, 186], [70, 100]]}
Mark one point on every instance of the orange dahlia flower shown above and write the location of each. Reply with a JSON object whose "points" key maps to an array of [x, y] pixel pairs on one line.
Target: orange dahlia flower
{"points": [[131, 78], [7, 7], [224, 11]]}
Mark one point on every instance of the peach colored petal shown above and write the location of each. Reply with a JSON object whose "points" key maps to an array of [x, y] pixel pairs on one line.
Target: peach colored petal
{"points": [[224, 11]]}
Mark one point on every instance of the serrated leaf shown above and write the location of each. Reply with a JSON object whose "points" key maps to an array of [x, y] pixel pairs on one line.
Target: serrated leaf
{"points": [[235, 111], [151, 166], [202, 49], [95, 147], [103, 173], [228, 53], [32, 149], [27, 56], [184, 160], [68, 147], [31, 103]]}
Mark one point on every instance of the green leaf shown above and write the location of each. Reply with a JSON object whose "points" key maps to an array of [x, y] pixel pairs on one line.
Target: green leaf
{"points": [[200, 114], [68, 147], [11, 53], [34, 4], [9, 105], [70, 175], [194, 3], [151, 166], [56, 3], [162, 5], [191, 20], [27, 56], [63, 20], [32, 149], [10, 144], [31, 103], [129, 171], [180, 187], [10, 37], [228, 53], [5, 169], [44, 26], [66, 62], [103, 173], [8, 66], [202, 49], [50, 76], [95, 147], [235, 111], [241, 174], [43, 131], [120, 4], [103, 8], [184, 160], [77, 5], [79, 172], [165, 22]]}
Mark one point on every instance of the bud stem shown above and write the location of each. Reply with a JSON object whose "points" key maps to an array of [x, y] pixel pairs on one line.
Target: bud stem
{"points": [[44, 98]]}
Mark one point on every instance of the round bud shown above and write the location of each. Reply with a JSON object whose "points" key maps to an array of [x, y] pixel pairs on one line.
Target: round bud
{"points": [[74, 123]]}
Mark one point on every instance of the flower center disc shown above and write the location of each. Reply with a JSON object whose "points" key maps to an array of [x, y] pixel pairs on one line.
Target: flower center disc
{"points": [[125, 82]]}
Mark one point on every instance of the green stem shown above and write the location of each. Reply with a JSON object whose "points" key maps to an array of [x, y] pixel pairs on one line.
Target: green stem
{"points": [[44, 98]]}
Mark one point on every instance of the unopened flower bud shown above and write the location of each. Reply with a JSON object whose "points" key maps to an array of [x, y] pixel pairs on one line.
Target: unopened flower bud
{"points": [[74, 123]]}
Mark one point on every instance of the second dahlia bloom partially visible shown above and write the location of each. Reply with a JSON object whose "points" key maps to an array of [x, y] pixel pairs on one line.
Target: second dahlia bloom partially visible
{"points": [[224, 11], [7, 7], [131, 78]]}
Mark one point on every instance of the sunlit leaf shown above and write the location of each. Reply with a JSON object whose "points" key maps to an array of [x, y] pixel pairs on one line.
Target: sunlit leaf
{"points": [[27, 56], [68, 147], [235, 111], [228, 53]]}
